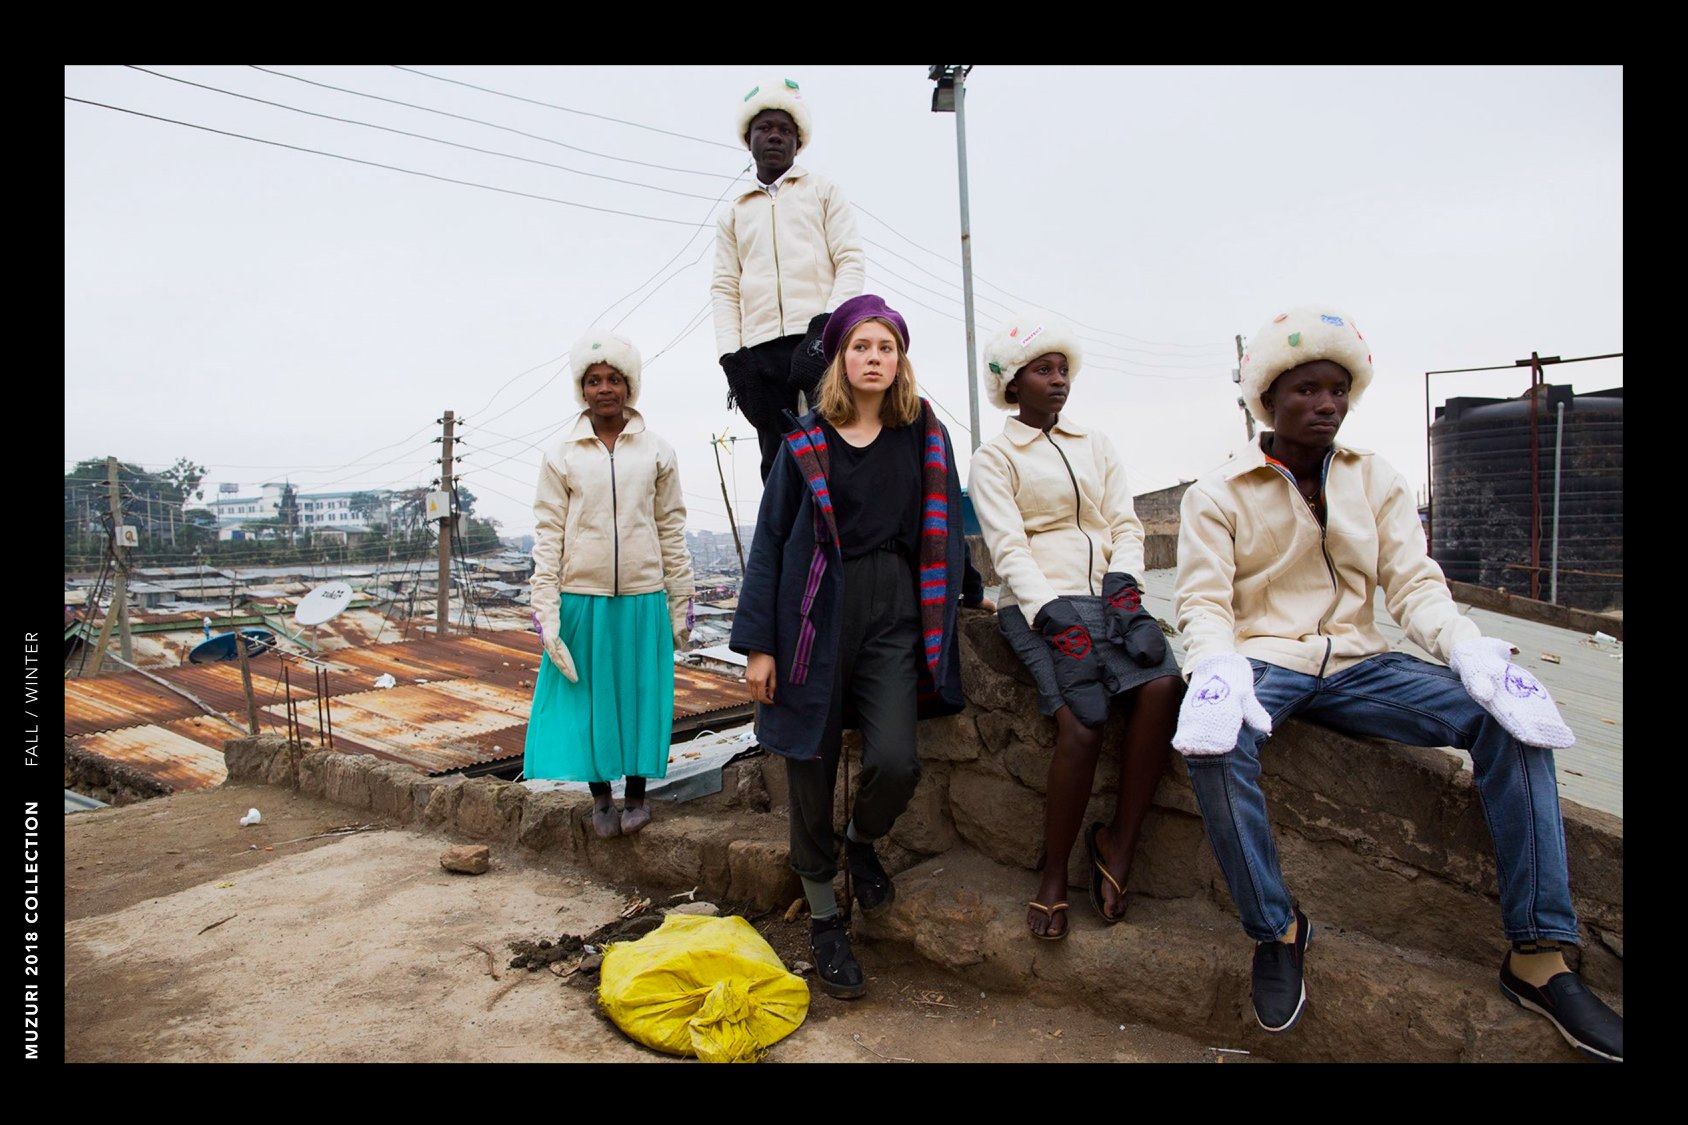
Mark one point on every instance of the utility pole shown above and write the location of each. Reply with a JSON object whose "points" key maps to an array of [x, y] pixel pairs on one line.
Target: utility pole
{"points": [[442, 605], [1237, 378], [121, 597], [950, 96], [732, 520]]}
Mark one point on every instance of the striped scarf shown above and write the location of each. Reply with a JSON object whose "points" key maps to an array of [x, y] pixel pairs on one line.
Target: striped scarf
{"points": [[808, 448]]}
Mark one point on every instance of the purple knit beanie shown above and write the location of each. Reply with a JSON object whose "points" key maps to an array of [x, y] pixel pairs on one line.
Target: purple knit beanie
{"points": [[851, 313]]}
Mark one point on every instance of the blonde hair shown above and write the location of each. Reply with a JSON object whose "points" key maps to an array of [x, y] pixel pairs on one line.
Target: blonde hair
{"points": [[835, 402]]}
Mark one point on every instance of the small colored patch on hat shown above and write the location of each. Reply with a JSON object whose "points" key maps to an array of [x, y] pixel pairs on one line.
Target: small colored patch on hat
{"points": [[996, 368], [1279, 319], [790, 85], [1329, 319], [595, 347], [1295, 339], [754, 90], [1012, 332]]}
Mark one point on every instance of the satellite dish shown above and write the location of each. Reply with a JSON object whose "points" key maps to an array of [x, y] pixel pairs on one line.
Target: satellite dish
{"points": [[323, 604], [258, 642]]}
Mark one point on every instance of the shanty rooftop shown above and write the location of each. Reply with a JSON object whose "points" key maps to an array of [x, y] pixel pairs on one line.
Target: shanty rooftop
{"points": [[458, 703]]}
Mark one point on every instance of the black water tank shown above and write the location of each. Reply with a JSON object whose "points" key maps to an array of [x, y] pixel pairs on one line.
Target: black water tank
{"points": [[1480, 514]]}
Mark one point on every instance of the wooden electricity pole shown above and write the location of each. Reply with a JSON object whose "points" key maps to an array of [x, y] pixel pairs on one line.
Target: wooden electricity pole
{"points": [[732, 520], [443, 604]]}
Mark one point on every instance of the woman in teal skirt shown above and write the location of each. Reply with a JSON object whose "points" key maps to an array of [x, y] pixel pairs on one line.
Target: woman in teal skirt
{"points": [[612, 591]]}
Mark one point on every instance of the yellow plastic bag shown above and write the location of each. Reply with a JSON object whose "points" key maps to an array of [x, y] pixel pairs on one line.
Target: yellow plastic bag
{"points": [[710, 987]]}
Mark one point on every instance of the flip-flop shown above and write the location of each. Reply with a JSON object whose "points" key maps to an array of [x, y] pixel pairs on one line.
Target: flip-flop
{"points": [[1050, 911], [1098, 872]]}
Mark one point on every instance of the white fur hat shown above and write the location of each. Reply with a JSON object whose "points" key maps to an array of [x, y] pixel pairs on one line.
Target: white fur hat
{"points": [[1020, 340], [1301, 335], [778, 93], [603, 346]]}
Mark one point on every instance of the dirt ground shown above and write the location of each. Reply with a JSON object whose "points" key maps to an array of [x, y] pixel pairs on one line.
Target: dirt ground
{"points": [[186, 940]]}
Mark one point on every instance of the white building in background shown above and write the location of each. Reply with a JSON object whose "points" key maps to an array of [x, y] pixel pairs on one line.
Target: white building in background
{"points": [[318, 511]]}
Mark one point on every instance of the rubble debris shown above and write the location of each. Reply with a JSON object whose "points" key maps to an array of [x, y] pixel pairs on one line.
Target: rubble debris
{"points": [[1551, 658], [253, 816], [708, 909], [469, 859], [386, 680], [795, 909]]}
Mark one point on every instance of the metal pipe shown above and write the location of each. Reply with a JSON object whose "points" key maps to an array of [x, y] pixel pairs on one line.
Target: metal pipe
{"points": [[967, 256], [1537, 380], [1429, 483], [1558, 451]]}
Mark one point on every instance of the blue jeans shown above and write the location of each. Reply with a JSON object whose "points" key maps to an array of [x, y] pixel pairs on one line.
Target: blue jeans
{"points": [[1409, 700]]}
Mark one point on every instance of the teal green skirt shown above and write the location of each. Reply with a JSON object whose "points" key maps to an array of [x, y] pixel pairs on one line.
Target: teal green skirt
{"points": [[617, 720]]}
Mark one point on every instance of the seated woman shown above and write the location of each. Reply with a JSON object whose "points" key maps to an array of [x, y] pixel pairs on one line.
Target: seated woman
{"points": [[1056, 514], [848, 609], [1281, 554], [612, 591]]}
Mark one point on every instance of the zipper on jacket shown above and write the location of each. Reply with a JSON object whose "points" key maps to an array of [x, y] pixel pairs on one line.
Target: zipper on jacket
{"points": [[615, 518], [1078, 508], [779, 284], [1324, 549]]}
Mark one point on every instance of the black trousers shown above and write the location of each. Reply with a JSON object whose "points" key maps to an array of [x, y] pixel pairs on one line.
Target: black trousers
{"points": [[878, 666], [764, 393]]}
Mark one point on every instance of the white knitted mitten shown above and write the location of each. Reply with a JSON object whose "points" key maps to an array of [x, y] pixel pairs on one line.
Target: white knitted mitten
{"points": [[1510, 693], [555, 648], [1219, 700], [681, 618]]}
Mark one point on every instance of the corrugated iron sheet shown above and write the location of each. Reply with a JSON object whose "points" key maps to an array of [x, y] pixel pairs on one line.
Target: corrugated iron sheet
{"points": [[472, 710], [698, 693], [164, 755]]}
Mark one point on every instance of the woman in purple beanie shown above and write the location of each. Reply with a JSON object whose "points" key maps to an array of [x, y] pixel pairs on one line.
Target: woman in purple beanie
{"points": [[848, 608]]}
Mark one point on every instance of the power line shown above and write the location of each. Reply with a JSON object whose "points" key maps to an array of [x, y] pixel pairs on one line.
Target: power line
{"points": [[692, 238], [490, 125], [568, 109], [387, 167], [1024, 301], [416, 136]]}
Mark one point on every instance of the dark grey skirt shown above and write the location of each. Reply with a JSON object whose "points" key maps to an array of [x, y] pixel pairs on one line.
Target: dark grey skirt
{"points": [[1119, 671]]}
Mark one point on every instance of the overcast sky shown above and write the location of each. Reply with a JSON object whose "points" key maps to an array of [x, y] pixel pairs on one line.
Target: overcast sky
{"points": [[281, 315]]}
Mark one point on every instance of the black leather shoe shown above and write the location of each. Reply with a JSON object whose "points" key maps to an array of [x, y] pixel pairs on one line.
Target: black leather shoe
{"points": [[1280, 990], [872, 885], [836, 970], [1581, 1017]]}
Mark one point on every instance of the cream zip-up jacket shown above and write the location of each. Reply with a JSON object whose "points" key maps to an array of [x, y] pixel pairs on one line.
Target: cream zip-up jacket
{"points": [[1257, 575], [781, 260], [1055, 512], [608, 523]]}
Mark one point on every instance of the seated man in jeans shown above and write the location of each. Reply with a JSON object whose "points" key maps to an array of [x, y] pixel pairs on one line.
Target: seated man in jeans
{"points": [[1280, 554]]}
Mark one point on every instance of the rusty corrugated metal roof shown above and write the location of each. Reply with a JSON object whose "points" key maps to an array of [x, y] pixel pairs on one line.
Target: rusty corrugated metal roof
{"points": [[161, 754], [471, 710], [698, 693]]}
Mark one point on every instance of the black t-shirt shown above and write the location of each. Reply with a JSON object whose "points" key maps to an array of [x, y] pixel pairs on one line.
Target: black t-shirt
{"points": [[875, 490]]}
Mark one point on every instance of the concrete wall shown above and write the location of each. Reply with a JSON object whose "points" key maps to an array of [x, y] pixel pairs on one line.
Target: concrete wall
{"points": [[1376, 837]]}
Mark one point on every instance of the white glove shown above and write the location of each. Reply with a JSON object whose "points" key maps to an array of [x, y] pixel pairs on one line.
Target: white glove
{"points": [[555, 648], [680, 617], [1510, 693], [1219, 700]]}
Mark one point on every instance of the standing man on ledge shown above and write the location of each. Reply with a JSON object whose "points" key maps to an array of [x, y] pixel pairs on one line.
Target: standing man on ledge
{"points": [[786, 254]]}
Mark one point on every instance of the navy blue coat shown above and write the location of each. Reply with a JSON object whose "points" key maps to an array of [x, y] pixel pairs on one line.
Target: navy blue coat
{"points": [[770, 599]]}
